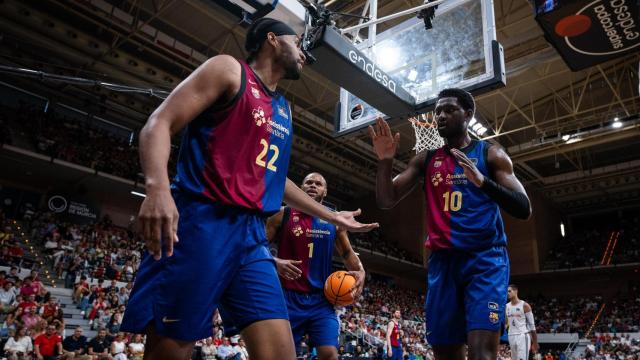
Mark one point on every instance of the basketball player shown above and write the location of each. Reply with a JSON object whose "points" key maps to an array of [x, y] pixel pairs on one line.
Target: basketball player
{"points": [[231, 174], [465, 184], [394, 343], [305, 249], [521, 324]]}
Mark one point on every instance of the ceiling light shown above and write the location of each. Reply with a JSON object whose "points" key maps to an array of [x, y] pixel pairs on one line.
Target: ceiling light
{"points": [[617, 124], [482, 130], [473, 121], [138, 194], [476, 126], [566, 137], [413, 75], [387, 58]]}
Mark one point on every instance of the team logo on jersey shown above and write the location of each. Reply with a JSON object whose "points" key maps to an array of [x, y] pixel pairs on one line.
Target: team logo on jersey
{"points": [[255, 92], [437, 163], [296, 218], [297, 230], [493, 306], [258, 116], [436, 179], [283, 113], [494, 317], [272, 127]]}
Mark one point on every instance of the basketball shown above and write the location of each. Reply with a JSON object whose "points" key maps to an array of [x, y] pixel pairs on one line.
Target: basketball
{"points": [[337, 288], [573, 25]]}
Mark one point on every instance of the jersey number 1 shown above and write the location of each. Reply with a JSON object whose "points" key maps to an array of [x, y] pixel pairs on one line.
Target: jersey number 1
{"points": [[310, 246], [452, 200], [260, 160]]}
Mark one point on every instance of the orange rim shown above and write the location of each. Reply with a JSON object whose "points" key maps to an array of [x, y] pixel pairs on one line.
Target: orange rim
{"points": [[422, 123]]}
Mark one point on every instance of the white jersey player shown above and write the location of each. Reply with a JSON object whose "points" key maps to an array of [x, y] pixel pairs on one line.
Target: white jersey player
{"points": [[522, 328]]}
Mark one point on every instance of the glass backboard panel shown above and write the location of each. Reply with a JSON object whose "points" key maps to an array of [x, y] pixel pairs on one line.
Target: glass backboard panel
{"points": [[456, 52]]}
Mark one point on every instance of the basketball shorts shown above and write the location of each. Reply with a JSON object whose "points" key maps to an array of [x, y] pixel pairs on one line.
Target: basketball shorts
{"points": [[466, 291], [311, 313], [520, 345], [221, 261], [396, 353]]}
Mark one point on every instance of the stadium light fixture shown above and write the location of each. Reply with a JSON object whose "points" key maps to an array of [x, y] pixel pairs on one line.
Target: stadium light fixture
{"points": [[562, 229], [138, 193], [617, 124]]}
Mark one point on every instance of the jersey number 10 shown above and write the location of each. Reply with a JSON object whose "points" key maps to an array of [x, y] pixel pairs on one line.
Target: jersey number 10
{"points": [[452, 200]]}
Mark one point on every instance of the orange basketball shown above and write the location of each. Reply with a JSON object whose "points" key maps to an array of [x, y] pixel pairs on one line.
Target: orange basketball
{"points": [[573, 25], [337, 288]]}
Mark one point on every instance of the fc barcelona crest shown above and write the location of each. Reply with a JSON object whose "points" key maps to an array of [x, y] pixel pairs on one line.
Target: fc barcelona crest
{"points": [[255, 92]]}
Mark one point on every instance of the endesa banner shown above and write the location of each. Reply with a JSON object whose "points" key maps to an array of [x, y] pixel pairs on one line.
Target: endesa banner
{"points": [[588, 32]]}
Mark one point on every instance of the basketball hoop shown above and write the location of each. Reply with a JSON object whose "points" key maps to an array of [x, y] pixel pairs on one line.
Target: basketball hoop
{"points": [[426, 129]]}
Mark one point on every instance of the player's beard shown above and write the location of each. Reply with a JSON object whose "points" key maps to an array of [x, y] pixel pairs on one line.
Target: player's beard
{"points": [[449, 132], [291, 72]]}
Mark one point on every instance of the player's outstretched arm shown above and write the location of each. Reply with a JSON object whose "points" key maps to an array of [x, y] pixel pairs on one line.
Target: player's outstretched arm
{"points": [[298, 199], [351, 262], [390, 191], [215, 80], [506, 190]]}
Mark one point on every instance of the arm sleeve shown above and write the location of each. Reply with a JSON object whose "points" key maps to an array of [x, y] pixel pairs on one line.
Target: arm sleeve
{"points": [[514, 203], [531, 326]]}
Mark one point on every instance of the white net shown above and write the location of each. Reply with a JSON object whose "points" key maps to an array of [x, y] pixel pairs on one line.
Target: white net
{"points": [[426, 129]]}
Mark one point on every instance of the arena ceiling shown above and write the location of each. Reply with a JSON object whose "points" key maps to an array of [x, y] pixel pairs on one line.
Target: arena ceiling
{"points": [[109, 40]]}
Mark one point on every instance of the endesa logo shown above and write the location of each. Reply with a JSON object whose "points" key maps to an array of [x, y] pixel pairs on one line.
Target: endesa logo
{"points": [[370, 68], [602, 27]]}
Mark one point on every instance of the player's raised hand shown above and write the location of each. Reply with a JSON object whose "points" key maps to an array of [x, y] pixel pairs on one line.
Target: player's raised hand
{"points": [[158, 218], [347, 221], [384, 142], [470, 170], [357, 288], [288, 269]]}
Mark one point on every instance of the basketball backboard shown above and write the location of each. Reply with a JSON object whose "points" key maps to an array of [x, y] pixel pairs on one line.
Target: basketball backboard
{"points": [[459, 51]]}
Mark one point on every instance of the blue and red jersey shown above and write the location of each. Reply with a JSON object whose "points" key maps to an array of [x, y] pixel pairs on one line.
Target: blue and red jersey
{"points": [[238, 153], [459, 214], [310, 240], [394, 337]]}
